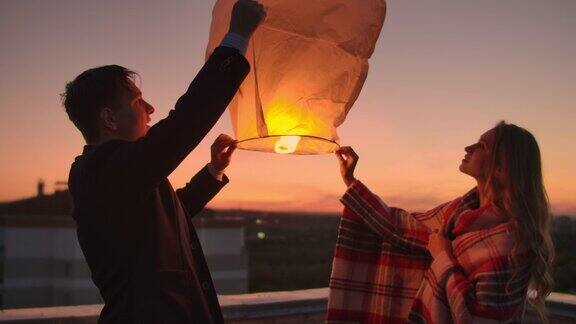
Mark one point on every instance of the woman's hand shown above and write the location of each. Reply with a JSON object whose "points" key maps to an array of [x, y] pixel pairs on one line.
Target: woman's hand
{"points": [[438, 243], [348, 160]]}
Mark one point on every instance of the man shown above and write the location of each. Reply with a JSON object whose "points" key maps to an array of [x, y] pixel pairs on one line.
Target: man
{"points": [[134, 230]]}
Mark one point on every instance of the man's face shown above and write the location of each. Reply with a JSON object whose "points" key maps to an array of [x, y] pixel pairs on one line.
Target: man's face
{"points": [[133, 115]]}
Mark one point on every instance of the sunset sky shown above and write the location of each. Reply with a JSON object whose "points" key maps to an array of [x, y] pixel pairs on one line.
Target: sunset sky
{"points": [[443, 72]]}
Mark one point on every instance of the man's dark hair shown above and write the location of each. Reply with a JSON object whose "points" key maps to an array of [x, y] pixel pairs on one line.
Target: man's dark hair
{"points": [[93, 90]]}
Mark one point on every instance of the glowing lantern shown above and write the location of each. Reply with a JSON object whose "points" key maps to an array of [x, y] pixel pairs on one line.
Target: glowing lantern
{"points": [[309, 61]]}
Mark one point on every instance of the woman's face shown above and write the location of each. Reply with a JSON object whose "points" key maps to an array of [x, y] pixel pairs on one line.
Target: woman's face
{"points": [[477, 159]]}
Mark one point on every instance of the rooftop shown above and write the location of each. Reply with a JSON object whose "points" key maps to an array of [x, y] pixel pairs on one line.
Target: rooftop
{"points": [[301, 306]]}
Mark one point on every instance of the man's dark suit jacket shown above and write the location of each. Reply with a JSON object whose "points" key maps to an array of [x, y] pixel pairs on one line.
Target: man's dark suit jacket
{"points": [[134, 230]]}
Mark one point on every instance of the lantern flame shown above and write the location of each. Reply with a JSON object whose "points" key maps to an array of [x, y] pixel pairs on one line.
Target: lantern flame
{"points": [[287, 144]]}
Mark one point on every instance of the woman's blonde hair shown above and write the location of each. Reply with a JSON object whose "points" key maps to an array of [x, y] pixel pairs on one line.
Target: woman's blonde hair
{"points": [[521, 194]]}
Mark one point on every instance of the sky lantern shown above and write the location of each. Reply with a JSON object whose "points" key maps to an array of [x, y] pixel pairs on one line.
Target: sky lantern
{"points": [[309, 61]]}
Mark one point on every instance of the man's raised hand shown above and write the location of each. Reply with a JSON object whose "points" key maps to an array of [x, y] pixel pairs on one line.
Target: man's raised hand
{"points": [[221, 152], [246, 17]]}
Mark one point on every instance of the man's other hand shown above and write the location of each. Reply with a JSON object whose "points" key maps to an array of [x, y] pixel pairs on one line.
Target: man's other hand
{"points": [[246, 17], [221, 151]]}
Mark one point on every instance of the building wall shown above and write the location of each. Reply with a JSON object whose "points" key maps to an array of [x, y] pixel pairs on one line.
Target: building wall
{"points": [[227, 258], [44, 265], [2, 262]]}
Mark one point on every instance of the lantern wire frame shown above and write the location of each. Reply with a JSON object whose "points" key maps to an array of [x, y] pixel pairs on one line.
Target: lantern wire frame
{"points": [[290, 144]]}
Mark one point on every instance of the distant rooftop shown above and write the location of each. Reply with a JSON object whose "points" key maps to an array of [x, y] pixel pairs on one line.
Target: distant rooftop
{"points": [[54, 210], [58, 203]]}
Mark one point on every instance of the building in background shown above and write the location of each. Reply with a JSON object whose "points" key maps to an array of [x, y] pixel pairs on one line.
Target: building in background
{"points": [[41, 263]]}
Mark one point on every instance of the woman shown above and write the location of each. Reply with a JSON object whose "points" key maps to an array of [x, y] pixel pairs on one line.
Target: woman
{"points": [[467, 261]]}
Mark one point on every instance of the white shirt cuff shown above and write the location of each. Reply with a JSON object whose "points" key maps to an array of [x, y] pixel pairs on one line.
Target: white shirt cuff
{"points": [[235, 41], [217, 175]]}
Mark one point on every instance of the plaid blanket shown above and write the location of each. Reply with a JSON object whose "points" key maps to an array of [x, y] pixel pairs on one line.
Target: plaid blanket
{"points": [[383, 273]]}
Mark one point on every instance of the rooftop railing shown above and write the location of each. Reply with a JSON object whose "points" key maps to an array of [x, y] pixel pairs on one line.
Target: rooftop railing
{"points": [[301, 306]]}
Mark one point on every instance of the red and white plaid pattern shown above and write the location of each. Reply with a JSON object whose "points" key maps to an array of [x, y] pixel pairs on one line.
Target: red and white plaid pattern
{"points": [[383, 273]]}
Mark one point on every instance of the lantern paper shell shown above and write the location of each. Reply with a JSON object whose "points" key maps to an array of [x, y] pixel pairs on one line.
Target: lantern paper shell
{"points": [[309, 60]]}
